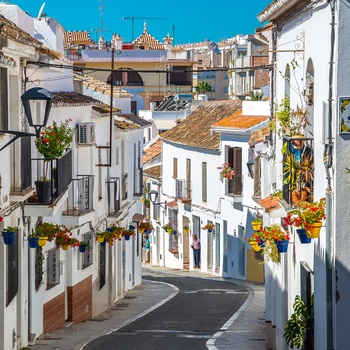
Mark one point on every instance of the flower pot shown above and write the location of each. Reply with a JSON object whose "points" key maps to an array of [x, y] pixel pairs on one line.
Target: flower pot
{"points": [[256, 225], [33, 242], [82, 248], [65, 247], [314, 230], [303, 237], [43, 191], [174, 232], [169, 230], [100, 239], [9, 237], [127, 237], [210, 230], [255, 246], [282, 246], [141, 230], [42, 241], [148, 231], [108, 229], [260, 242], [103, 243]]}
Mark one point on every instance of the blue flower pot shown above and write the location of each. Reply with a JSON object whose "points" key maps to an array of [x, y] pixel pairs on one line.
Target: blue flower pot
{"points": [[282, 246], [103, 243], [82, 248], [174, 232], [33, 242], [303, 237], [9, 237], [127, 237], [108, 229]]}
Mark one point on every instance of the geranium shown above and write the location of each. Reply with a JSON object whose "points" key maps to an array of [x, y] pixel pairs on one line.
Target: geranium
{"points": [[274, 233], [64, 237], [146, 226], [167, 227], [226, 171], [47, 229], [53, 140], [306, 214], [208, 227]]}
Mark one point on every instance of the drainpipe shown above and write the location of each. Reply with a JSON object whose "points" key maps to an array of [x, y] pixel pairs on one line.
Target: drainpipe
{"points": [[329, 196]]}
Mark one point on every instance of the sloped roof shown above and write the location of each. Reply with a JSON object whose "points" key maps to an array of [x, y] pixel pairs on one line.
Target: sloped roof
{"points": [[146, 41], [71, 98], [125, 124], [154, 172], [239, 121], [270, 203], [137, 120], [153, 151], [194, 130], [130, 121], [77, 38], [259, 136]]}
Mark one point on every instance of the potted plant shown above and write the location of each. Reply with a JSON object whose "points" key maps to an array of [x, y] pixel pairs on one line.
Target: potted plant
{"points": [[33, 240], [226, 171], [276, 234], [256, 224], [145, 226], [208, 227], [253, 243], [100, 237], [65, 240], [84, 246], [8, 234], [168, 228], [46, 232], [117, 230], [128, 233], [51, 143], [309, 216]]}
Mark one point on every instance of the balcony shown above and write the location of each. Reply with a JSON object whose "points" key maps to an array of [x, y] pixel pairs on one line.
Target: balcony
{"points": [[79, 204], [183, 191], [234, 187], [51, 193], [298, 169], [113, 195]]}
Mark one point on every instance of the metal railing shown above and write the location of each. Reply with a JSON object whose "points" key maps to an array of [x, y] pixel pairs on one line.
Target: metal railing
{"points": [[113, 195], [235, 186], [183, 189], [80, 197]]}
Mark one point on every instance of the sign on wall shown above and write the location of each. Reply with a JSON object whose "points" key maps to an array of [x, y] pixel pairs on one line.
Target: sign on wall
{"points": [[344, 115]]}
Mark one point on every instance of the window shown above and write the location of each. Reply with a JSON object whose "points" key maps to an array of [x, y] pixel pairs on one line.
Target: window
{"points": [[88, 255], [234, 157], [53, 268], [3, 99], [175, 167], [39, 269], [102, 265], [117, 155], [173, 239], [12, 271], [204, 181], [137, 169]]}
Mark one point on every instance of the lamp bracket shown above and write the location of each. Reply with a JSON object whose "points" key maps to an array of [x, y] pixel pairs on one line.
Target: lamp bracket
{"points": [[17, 134]]}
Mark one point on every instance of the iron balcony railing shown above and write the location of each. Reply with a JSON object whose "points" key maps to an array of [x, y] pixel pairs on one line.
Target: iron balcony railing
{"points": [[80, 197], [235, 186], [56, 174], [183, 189], [113, 196]]}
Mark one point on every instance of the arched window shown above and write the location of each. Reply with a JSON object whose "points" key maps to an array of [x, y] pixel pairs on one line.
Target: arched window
{"points": [[129, 78]]}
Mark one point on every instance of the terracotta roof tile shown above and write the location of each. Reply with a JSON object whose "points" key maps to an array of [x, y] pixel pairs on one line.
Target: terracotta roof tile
{"points": [[76, 38], [153, 151], [270, 203], [195, 129], [259, 136], [154, 172], [136, 120], [71, 98], [239, 121], [147, 41]]}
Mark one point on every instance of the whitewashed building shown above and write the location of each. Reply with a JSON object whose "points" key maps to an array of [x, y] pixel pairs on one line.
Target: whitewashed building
{"points": [[188, 180]]}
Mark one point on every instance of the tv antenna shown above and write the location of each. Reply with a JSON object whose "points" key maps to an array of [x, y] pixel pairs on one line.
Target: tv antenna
{"points": [[133, 18]]}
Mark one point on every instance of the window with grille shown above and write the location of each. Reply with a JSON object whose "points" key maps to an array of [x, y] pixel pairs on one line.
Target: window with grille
{"points": [[204, 182], [39, 268], [12, 271], [88, 255], [102, 265], [53, 268], [3, 99]]}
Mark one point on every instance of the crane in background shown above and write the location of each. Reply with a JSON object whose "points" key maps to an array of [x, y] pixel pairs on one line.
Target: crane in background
{"points": [[133, 18]]}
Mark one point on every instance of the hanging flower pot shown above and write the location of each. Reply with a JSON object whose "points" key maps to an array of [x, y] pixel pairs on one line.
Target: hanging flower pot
{"points": [[9, 237], [169, 230], [103, 243], [33, 242], [82, 248], [127, 237], [282, 246], [255, 246], [313, 231], [100, 238], [303, 237], [256, 225], [42, 241], [65, 247]]}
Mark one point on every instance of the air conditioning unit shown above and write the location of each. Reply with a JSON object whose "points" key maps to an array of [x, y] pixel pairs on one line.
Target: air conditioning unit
{"points": [[86, 133]]}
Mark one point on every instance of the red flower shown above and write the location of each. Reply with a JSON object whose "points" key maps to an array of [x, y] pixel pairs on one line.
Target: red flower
{"points": [[1, 219], [46, 140]]}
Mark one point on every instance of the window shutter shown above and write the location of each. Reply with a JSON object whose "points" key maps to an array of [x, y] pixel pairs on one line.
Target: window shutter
{"points": [[237, 166], [3, 99], [175, 167], [204, 181]]}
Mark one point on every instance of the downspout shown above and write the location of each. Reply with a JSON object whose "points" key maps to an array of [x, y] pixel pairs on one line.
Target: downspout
{"points": [[329, 196]]}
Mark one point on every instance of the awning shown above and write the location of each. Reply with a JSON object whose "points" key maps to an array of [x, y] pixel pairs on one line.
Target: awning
{"points": [[172, 205], [137, 217], [165, 124]]}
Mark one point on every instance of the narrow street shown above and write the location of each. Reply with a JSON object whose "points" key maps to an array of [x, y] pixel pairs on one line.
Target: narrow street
{"points": [[200, 308]]}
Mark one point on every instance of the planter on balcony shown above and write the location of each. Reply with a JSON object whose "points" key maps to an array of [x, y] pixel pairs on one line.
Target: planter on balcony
{"points": [[33, 242], [43, 191]]}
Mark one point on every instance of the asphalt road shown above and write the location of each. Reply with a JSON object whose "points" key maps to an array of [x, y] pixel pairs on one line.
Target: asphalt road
{"points": [[187, 321]]}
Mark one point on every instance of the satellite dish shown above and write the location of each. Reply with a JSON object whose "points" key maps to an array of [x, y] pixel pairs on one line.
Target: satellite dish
{"points": [[40, 14]]}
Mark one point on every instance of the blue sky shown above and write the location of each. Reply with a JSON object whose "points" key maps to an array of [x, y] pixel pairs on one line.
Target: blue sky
{"points": [[191, 21]]}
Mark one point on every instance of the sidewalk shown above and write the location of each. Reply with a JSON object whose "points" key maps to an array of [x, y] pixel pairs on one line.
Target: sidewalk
{"points": [[245, 330]]}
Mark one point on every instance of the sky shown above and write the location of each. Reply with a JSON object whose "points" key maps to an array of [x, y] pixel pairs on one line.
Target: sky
{"points": [[186, 21]]}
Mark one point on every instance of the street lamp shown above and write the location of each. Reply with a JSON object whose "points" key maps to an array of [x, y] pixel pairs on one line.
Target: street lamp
{"points": [[250, 166], [37, 105], [153, 195]]}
